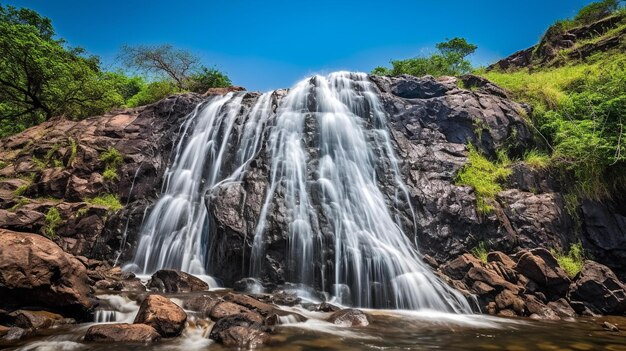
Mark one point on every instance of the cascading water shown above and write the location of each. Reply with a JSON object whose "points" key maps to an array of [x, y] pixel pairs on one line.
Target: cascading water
{"points": [[328, 147]]}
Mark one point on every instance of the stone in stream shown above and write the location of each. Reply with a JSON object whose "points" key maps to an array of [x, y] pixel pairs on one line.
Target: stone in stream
{"points": [[36, 319], [251, 303], [240, 331], [122, 332], [35, 271], [175, 281], [226, 309], [598, 289], [350, 318], [163, 315]]}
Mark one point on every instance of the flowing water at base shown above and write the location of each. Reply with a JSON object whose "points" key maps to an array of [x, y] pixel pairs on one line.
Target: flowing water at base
{"points": [[389, 330]]}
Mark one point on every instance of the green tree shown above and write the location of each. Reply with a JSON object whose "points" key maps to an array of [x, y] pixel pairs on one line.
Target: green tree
{"points": [[596, 11], [207, 78], [450, 60], [40, 77]]}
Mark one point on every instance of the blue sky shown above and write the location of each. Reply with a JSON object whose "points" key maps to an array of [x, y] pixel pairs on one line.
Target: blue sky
{"points": [[265, 45]]}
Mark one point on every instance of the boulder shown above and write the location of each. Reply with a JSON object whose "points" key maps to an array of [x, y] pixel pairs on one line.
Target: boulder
{"points": [[240, 331], [226, 309], [458, 267], [122, 332], [251, 303], [174, 281], [163, 315], [541, 266], [350, 318], [35, 271], [36, 319], [598, 289]]}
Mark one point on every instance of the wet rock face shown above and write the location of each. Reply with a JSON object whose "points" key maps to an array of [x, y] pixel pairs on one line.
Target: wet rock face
{"points": [[174, 281], [349, 318], [57, 165], [34, 271], [122, 332], [163, 315]]}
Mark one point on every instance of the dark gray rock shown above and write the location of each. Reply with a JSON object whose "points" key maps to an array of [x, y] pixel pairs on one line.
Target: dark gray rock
{"points": [[174, 281], [597, 288]]}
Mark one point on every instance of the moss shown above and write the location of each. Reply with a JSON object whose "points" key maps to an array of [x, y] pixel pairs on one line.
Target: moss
{"points": [[82, 212], [52, 220], [484, 176], [571, 262], [112, 159], [480, 251], [73, 150], [536, 160], [20, 203], [3, 164], [109, 201], [21, 190]]}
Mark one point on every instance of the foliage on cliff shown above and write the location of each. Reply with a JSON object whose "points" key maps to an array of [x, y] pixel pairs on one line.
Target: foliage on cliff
{"points": [[41, 76], [579, 112], [450, 60]]}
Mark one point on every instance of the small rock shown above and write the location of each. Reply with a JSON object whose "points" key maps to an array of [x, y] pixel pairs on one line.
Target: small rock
{"points": [[122, 332], [174, 281], [16, 333], [163, 315], [327, 307], [203, 303], [250, 303], [350, 318], [610, 327], [226, 309]]}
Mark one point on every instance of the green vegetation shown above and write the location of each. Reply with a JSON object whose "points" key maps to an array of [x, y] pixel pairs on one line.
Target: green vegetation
{"points": [[571, 262], [109, 201], [536, 159], [484, 176], [73, 150], [112, 160], [481, 252], [578, 110], [19, 203], [2, 164], [52, 220], [41, 76], [82, 212], [450, 60]]}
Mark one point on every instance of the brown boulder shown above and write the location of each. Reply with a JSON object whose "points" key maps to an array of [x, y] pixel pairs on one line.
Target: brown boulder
{"points": [[350, 318], [174, 281], [497, 256], [250, 303], [34, 271], [239, 330], [163, 315], [598, 289], [541, 266], [507, 300], [36, 319], [226, 309], [458, 268], [122, 332]]}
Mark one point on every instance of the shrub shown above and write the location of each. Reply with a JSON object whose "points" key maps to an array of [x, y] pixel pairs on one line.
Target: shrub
{"points": [[484, 176], [571, 262], [52, 221], [207, 78], [596, 11], [152, 92]]}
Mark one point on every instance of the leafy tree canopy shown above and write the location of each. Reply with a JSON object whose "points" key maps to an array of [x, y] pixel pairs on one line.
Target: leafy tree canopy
{"points": [[450, 60]]}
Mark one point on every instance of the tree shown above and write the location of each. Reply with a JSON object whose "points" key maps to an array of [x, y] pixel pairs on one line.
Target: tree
{"points": [[450, 60], [596, 11], [208, 78], [40, 77], [161, 60]]}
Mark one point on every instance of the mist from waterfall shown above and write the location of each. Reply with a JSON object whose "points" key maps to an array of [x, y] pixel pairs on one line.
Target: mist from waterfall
{"points": [[328, 147]]}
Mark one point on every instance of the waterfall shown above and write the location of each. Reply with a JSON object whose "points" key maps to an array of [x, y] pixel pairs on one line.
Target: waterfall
{"points": [[328, 147]]}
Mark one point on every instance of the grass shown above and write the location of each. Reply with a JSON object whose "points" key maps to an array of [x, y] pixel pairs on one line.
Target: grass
{"points": [[536, 159], [109, 201], [480, 251], [21, 202], [3, 164], [484, 176], [52, 219], [112, 159], [571, 262], [21, 190], [82, 212]]}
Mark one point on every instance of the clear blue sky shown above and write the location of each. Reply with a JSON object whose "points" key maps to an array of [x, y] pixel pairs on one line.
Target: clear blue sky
{"points": [[265, 45]]}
